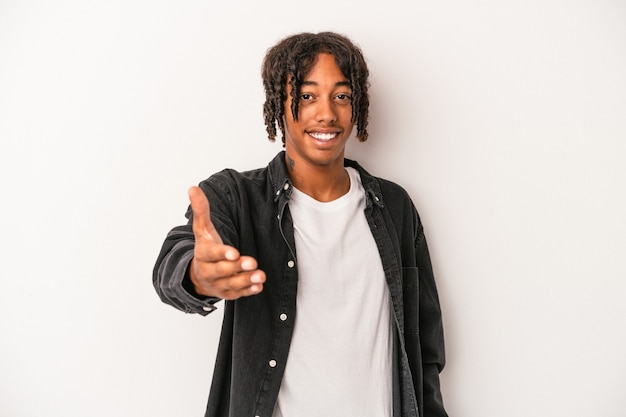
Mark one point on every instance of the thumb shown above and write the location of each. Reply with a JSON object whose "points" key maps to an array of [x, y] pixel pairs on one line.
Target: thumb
{"points": [[202, 224]]}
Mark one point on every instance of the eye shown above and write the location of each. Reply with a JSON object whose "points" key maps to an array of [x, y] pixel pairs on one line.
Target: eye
{"points": [[306, 96], [343, 97]]}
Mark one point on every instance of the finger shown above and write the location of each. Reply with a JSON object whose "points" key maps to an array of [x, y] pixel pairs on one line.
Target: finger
{"points": [[236, 286], [227, 279], [202, 224], [211, 270]]}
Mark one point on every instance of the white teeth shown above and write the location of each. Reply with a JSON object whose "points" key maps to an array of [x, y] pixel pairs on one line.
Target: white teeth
{"points": [[323, 136]]}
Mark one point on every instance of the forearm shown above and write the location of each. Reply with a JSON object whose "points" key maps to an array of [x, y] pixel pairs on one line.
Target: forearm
{"points": [[170, 274]]}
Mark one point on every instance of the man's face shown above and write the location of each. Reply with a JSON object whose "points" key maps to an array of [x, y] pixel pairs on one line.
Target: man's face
{"points": [[324, 118]]}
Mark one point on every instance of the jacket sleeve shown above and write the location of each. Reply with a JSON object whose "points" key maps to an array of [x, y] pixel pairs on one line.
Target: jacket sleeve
{"points": [[170, 276], [431, 330]]}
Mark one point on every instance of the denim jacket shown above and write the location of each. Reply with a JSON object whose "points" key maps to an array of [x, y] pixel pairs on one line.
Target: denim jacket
{"points": [[250, 210]]}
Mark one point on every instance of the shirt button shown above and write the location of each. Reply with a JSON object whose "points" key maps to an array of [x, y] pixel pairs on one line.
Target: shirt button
{"points": [[283, 317], [208, 308], [290, 264], [272, 363], [286, 187]]}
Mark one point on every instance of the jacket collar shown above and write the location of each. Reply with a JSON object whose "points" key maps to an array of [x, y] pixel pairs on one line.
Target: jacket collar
{"points": [[282, 185]]}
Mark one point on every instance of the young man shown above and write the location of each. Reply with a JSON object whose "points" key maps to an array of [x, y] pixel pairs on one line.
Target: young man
{"points": [[331, 307]]}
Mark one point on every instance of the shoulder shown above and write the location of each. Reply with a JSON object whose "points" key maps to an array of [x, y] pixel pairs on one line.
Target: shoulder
{"points": [[232, 177], [231, 187], [388, 189], [250, 179], [396, 200], [391, 188]]}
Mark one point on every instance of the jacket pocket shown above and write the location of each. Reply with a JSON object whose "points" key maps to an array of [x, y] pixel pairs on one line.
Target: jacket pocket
{"points": [[410, 296]]}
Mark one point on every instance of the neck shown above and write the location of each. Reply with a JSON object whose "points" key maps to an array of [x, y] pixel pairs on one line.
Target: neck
{"points": [[323, 183]]}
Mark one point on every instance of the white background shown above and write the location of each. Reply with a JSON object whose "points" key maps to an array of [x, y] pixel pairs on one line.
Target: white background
{"points": [[505, 120]]}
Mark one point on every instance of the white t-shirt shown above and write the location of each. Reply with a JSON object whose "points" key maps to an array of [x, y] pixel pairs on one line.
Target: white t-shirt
{"points": [[340, 357]]}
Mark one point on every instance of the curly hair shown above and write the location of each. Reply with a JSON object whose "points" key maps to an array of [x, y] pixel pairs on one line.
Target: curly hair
{"points": [[291, 60]]}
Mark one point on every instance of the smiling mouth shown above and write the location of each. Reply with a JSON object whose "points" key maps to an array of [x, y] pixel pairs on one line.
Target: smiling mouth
{"points": [[323, 136]]}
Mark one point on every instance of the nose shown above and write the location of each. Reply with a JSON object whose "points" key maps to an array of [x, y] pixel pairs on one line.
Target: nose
{"points": [[326, 111]]}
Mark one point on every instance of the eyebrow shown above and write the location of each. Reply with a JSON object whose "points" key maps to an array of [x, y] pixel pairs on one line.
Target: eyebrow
{"points": [[337, 84]]}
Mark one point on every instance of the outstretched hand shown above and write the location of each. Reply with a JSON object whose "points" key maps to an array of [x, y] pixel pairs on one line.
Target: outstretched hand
{"points": [[218, 270]]}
